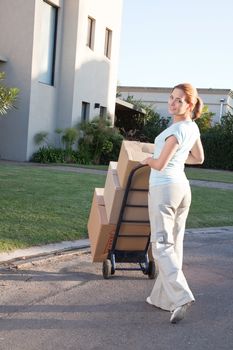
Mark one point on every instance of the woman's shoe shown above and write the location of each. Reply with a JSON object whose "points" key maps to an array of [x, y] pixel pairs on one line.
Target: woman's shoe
{"points": [[179, 313], [148, 301]]}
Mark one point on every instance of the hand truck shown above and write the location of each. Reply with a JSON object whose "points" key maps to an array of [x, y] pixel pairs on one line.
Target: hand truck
{"points": [[139, 257]]}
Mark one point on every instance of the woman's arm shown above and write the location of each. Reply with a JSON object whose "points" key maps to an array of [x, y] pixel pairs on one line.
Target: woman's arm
{"points": [[196, 155], [168, 151]]}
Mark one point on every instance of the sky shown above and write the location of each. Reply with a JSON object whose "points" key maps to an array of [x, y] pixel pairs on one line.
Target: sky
{"points": [[166, 42]]}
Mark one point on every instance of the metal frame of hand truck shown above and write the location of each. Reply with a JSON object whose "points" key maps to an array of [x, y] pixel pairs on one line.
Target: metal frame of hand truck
{"points": [[125, 256]]}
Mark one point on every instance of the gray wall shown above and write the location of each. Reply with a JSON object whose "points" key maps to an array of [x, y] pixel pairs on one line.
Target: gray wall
{"points": [[16, 46]]}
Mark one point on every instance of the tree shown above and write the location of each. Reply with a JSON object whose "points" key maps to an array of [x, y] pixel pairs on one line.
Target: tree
{"points": [[227, 123], [7, 96], [141, 123], [205, 121]]}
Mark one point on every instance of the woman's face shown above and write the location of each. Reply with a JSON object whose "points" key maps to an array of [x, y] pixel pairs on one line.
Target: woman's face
{"points": [[177, 104]]}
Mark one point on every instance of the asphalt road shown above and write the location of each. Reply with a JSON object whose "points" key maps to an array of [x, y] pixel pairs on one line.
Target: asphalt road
{"points": [[63, 303]]}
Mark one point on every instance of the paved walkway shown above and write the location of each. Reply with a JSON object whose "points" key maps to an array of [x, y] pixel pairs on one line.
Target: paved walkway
{"points": [[211, 184], [198, 183]]}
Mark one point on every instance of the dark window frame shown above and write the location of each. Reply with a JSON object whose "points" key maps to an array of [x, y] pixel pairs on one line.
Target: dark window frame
{"points": [[85, 113], [54, 46], [103, 112], [90, 32], [108, 43]]}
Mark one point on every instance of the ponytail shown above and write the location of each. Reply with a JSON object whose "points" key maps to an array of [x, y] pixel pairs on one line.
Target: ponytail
{"points": [[197, 108]]}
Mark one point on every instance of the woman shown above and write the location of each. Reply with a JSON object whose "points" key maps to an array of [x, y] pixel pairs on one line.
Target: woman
{"points": [[170, 198]]}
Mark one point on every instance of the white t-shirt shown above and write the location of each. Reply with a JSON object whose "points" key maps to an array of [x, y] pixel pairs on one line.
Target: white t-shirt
{"points": [[186, 133]]}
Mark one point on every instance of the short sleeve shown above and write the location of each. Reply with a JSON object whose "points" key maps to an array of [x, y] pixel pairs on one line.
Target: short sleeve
{"points": [[179, 135], [186, 133], [179, 132]]}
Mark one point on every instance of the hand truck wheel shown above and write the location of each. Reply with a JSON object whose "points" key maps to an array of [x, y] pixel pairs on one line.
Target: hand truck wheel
{"points": [[106, 269], [151, 270]]}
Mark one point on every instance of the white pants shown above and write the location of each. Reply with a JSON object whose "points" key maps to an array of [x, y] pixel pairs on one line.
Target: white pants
{"points": [[168, 211]]}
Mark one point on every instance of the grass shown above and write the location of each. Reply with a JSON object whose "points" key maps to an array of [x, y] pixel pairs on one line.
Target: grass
{"points": [[40, 206], [210, 207], [85, 166]]}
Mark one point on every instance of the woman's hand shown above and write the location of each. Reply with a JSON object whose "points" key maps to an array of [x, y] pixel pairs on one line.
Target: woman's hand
{"points": [[196, 155], [168, 151], [146, 161]]}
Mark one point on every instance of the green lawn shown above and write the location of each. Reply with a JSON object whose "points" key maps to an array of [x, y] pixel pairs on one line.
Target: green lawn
{"points": [[88, 166], [39, 205], [210, 207]]}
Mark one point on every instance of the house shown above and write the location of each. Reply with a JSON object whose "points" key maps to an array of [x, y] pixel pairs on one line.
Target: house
{"points": [[219, 101], [63, 57]]}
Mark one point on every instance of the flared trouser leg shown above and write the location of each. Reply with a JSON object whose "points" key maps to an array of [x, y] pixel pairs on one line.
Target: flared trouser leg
{"points": [[168, 210]]}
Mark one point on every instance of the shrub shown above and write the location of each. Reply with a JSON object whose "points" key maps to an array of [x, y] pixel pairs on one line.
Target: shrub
{"points": [[154, 126], [8, 96], [99, 142], [143, 124], [227, 124], [218, 144], [131, 122], [69, 137], [54, 155], [218, 151], [48, 155], [205, 121], [41, 138]]}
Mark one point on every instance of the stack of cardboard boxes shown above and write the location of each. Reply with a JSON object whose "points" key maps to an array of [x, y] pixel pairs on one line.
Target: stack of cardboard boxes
{"points": [[107, 202]]}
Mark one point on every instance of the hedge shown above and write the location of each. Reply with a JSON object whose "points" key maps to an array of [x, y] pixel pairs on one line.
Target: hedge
{"points": [[218, 148]]}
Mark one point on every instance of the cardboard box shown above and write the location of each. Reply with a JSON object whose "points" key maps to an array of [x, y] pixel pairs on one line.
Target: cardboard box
{"points": [[131, 154], [113, 198], [113, 194], [136, 214], [99, 230], [133, 243], [101, 233]]}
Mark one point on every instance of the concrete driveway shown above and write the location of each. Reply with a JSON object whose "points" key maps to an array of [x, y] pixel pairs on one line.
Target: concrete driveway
{"points": [[63, 302]]}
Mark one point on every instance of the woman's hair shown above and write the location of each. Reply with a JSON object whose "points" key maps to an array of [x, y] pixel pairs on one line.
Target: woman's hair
{"points": [[191, 96]]}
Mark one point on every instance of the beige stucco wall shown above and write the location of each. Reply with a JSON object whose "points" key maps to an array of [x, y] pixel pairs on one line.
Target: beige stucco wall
{"points": [[87, 75], [95, 74], [43, 97], [158, 97], [230, 102]]}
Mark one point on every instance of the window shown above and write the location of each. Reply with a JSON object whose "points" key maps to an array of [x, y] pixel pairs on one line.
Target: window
{"points": [[103, 112], [90, 33], [48, 43], [108, 42], [85, 111]]}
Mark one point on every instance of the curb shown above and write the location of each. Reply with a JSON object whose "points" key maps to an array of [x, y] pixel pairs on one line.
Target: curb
{"points": [[43, 251], [39, 252]]}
